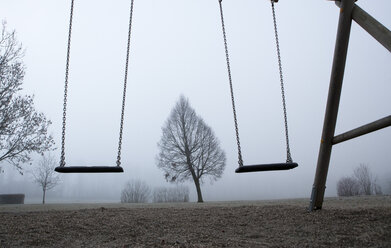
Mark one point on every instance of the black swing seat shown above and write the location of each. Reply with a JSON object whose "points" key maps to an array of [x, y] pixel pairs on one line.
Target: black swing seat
{"points": [[266, 167], [89, 169]]}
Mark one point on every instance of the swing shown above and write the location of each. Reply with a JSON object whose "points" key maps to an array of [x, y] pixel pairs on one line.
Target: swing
{"points": [[93, 169], [289, 164]]}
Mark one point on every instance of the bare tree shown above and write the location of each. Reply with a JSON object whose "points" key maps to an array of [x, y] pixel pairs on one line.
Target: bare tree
{"points": [[348, 186], [377, 189], [23, 131], [361, 183], [189, 148], [44, 174], [174, 194], [366, 180], [135, 191]]}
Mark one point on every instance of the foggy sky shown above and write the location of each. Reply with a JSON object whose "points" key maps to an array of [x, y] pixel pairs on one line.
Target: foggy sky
{"points": [[177, 48]]}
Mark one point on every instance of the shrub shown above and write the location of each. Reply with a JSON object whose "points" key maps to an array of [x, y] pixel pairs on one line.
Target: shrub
{"points": [[135, 191], [173, 194], [348, 186]]}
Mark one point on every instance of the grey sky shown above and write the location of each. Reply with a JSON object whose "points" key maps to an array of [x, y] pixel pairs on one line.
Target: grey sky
{"points": [[177, 48]]}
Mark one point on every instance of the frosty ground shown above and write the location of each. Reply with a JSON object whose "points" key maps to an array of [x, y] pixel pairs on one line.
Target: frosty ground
{"points": [[343, 222]]}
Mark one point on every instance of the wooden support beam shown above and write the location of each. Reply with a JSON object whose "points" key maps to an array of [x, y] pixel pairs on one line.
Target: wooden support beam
{"points": [[348, 12], [368, 128], [330, 119], [371, 25]]}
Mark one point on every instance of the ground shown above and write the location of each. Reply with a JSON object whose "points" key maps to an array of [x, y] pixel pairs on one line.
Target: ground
{"points": [[343, 222]]}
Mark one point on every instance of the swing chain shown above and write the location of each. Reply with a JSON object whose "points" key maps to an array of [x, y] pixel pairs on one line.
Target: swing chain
{"points": [[62, 159], [240, 159], [288, 152], [64, 114], [125, 84]]}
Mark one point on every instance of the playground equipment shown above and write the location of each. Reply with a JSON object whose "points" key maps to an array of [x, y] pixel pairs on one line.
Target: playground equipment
{"points": [[289, 164], [349, 11], [93, 169]]}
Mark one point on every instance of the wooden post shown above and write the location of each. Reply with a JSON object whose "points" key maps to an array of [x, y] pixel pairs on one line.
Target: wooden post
{"points": [[372, 26], [337, 73]]}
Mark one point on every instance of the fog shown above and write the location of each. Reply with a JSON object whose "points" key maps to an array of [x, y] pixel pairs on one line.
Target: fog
{"points": [[177, 48]]}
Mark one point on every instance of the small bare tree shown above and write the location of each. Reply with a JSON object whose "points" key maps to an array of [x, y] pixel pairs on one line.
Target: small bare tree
{"points": [[44, 174], [188, 148], [135, 191], [366, 180], [348, 186]]}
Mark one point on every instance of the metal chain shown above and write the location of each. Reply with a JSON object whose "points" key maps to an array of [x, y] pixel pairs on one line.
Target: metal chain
{"points": [[288, 152], [64, 114], [62, 160], [240, 160], [125, 84]]}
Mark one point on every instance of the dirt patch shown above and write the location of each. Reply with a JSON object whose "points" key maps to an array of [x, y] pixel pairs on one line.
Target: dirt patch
{"points": [[350, 222]]}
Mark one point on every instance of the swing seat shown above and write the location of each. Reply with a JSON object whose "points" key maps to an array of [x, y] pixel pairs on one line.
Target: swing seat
{"points": [[266, 167], [89, 169]]}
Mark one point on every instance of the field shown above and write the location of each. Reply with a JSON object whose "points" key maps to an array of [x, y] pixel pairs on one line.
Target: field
{"points": [[343, 222]]}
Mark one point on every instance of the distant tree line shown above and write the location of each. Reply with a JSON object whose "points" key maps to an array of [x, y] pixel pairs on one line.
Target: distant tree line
{"points": [[137, 191], [362, 182], [171, 194]]}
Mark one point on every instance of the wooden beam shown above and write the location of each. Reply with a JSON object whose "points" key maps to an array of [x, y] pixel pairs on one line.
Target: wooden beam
{"points": [[333, 99], [371, 25], [368, 128]]}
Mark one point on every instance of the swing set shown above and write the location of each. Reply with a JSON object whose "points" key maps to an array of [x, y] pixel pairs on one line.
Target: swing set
{"points": [[349, 11], [242, 168]]}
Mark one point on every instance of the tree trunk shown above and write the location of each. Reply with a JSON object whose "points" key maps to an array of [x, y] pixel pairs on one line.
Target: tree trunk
{"points": [[44, 194], [198, 187], [193, 174]]}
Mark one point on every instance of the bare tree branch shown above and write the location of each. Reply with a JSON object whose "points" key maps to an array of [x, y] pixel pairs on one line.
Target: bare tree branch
{"points": [[23, 130]]}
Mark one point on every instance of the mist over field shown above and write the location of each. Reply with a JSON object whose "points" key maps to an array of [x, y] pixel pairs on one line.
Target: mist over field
{"points": [[177, 49]]}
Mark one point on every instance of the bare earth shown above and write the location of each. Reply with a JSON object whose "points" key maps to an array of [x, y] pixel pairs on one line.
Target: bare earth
{"points": [[343, 222]]}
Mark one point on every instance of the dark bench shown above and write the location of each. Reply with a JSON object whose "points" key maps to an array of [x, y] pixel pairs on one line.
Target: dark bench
{"points": [[11, 198]]}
